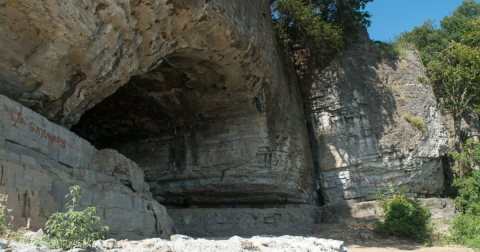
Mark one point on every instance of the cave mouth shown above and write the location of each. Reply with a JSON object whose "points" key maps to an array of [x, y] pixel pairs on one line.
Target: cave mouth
{"points": [[153, 120], [182, 125], [177, 93], [133, 113]]}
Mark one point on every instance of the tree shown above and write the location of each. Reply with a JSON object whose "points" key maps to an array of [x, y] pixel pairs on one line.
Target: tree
{"points": [[430, 40], [427, 39], [456, 71], [74, 228], [466, 226], [320, 27], [345, 14], [454, 25]]}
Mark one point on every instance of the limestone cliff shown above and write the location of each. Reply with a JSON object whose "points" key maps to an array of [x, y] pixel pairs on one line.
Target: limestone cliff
{"points": [[204, 109], [362, 141], [194, 97]]}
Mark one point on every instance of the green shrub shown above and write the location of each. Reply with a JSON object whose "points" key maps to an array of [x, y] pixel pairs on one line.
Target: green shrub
{"points": [[422, 79], [391, 49], [3, 222], [466, 161], [466, 226], [317, 29], [466, 230], [403, 216], [414, 121], [73, 228], [468, 199]]}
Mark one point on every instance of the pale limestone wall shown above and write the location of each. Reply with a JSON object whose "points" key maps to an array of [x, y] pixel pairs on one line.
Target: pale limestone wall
{"points": [[40, 160], [230, 121], [362, 141]]}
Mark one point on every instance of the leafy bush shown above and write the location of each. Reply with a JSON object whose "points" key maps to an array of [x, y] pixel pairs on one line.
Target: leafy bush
{"points": [[466, 226], [422, 79], [403, 216], [319, 28], [466, 230], [73, 228], [391, 49], [3, 222], [468, 200], [414, 121]]}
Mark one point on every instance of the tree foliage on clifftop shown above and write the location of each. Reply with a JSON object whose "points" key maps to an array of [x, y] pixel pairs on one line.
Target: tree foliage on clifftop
{"points": [[430, 40], [319, 27]]}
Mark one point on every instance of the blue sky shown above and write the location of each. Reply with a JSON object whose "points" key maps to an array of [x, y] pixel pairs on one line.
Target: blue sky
{"points": [[391, 17]]}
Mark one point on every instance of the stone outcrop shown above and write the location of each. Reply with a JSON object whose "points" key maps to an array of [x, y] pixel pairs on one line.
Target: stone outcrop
{"points": [[39, 161], [209, 115], [181, 243], [193, 98], [362, 141], [246, 221]]}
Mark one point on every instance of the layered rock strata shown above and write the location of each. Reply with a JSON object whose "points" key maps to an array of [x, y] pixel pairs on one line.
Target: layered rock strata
{"points": [[208, 114], [359, 109], [39, 161], [246, 221], [195, 94]]}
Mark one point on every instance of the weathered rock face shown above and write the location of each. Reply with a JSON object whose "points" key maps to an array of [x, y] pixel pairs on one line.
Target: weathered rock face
{"points": [[362, 139], [63, 58], [246, 221], [40, 160], [194, 93], [210, 118]]}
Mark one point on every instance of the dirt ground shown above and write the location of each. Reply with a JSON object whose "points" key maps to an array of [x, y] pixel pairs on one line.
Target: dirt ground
{"points": [[393, 248], [360, 237]]}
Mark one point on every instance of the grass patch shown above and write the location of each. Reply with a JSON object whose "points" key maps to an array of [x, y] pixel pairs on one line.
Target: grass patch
{"points": [[416, 122], [391, 49], [422, 79]]}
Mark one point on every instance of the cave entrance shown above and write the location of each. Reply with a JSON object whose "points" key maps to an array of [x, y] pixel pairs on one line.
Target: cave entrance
{"points": [[153, 120], [181, 124]]}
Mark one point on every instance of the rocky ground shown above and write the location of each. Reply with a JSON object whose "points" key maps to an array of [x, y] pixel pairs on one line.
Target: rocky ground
{"points": [[360, 237], [355, 237], [181, 243]]}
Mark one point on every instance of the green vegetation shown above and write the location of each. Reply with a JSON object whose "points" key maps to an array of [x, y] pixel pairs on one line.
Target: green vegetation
{"points": [[403, 216], [430, 40], [416, 122], [317, 28], [4, 226], [73, 228], [466, 230], [456, 72], [391, 49], [392, 89], [466, 226], [422, 79]]}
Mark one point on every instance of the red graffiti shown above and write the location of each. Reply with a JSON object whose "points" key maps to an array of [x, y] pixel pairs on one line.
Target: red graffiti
{"points": [[39, 131], [19, 119], [374, 182]]}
